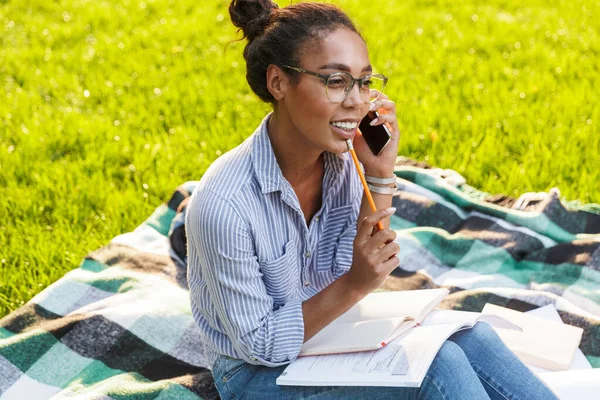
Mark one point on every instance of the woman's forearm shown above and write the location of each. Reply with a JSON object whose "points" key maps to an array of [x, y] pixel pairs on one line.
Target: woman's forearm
{"points": [[382, 201], [331, 302]]}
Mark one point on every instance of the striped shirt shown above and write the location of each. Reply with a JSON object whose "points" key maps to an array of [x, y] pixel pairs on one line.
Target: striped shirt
{"points": [[252, 259]]}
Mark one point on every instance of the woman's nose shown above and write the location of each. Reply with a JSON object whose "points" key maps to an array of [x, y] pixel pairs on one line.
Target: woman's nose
{"points": [[354, 97]]}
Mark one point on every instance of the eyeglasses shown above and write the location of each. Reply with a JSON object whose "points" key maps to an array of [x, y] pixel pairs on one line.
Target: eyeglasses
{"points": [[338, 85]]}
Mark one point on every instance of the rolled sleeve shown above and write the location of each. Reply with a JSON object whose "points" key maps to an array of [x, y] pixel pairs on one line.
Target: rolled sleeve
{"points": [[229, 267]]}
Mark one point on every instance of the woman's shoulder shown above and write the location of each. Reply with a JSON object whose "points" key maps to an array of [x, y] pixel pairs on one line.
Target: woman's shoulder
{"points": [[227, 176], [230, 172]]}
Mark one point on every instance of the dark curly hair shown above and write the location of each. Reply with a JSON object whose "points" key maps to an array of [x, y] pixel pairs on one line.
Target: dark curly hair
{"points": [[277, 35]]}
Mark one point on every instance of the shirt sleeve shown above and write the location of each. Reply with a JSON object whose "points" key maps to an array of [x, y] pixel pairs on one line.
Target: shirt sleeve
{"points": [[229, 266]]}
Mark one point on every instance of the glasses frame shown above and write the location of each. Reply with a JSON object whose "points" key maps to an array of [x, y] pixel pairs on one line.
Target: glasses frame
{"points": [[360, 81]]}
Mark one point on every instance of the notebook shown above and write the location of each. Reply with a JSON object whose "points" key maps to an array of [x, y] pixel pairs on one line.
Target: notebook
{"points": [[542, 343], [375, 321], [387, 339]]}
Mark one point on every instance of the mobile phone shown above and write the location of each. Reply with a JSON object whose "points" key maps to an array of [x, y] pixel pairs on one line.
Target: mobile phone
{"points": [[377, 137]]}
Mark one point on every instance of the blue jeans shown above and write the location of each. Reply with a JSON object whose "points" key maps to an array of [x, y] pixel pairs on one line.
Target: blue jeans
{"points": [[473, 364]]}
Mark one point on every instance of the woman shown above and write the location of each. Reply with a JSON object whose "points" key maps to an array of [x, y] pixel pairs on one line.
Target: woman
{"points": [[281, 240]]}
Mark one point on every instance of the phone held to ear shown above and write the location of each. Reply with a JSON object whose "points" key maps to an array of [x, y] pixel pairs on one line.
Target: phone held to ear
{"points": [[377, 137]]}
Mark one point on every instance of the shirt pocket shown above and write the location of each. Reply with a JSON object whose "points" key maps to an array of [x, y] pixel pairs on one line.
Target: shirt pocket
{"points": [[333, 226], [280, 275], [343, 252]]}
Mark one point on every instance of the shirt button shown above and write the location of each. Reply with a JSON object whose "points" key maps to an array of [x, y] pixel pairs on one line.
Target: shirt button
{"points": [[307, 254], [306, 283], [316, 218]]}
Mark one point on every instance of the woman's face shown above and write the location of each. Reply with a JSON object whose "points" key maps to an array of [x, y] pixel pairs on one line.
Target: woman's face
{"points": [[311, 113]]}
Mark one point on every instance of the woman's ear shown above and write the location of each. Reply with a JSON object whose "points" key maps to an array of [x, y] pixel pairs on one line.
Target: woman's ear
{"points": [[277, 82]]}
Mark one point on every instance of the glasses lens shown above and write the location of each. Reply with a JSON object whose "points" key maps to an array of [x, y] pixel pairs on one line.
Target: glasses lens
{"points": [[375, 85], [338, 86]]}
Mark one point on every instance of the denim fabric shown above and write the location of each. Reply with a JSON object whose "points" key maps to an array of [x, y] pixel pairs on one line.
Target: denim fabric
{"points": [[473, 364]]}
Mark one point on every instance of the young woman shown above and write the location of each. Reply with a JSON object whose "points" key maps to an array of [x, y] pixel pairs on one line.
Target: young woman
{"points": [[280, 238]]}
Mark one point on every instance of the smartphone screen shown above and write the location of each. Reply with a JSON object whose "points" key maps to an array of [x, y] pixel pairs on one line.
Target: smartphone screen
{"points": [[375, 136]]}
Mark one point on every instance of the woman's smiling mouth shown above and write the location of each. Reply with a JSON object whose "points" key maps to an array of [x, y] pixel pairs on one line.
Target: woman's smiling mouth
{"points": [[348, 126], [346, 129]]}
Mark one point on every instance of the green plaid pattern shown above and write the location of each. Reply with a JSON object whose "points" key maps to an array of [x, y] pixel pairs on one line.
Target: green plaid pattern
{"points": [[484, 253], [117, 327], [120, 325]]}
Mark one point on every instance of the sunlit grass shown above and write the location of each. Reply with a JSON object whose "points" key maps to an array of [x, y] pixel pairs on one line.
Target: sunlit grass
{"points": [[108, 105]]}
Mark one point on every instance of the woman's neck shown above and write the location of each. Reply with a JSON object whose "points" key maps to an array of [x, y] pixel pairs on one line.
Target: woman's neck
{"points": [[299, 162]]}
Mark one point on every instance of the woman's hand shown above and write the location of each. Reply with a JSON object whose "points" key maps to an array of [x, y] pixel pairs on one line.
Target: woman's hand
{"points": [[382, 165], [374, 255]]}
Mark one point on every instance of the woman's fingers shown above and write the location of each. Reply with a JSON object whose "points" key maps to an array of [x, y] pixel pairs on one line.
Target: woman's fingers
{"points": [[374, 254], [383, 118], [387, 112], [382, 245], [385, 105], [378, 95], [390, 250], [391, 263], [391, 122], [382, 237], [366, 225]]}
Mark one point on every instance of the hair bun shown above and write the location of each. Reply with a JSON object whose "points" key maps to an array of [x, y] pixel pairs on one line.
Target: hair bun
{"points": [[251, 16]]}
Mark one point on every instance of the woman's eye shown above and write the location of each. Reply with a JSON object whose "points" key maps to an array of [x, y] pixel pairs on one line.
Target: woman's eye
{"points": [[368, 83], [336, 83]]}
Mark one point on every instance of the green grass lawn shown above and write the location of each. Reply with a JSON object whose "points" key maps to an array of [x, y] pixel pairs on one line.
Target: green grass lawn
{"points": [[107, 106]]}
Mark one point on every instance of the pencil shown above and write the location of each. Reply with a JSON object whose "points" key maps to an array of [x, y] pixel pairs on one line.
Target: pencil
{"points": [[363, 181]]}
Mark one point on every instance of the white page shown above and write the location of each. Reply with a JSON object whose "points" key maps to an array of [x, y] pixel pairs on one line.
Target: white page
{"points": [[549, 312], [354, 336], [440, 316], [403, 362], [381, 305], [543, 343], [467, 319], [574, 385], [373, 320]]}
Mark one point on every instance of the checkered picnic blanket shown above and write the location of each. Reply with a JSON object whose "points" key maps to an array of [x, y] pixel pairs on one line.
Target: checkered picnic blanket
{"points": [[120, 325]]}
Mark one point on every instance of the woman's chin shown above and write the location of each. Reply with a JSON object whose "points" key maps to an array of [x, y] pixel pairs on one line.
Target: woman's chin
{"points": [[339, 148]]}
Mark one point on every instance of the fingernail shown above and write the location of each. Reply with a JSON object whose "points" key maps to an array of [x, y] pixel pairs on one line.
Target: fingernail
{"points": [[391, 210], [374, 121], [372, 106]]}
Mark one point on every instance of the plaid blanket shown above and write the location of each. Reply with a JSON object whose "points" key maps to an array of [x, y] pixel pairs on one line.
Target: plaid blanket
{"points": [[120, 325]]}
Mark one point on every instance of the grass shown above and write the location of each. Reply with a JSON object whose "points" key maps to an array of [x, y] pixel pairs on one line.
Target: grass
{"points": [[108, 105]]}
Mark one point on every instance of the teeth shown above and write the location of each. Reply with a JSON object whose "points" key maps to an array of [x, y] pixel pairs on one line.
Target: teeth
{"points": [[345, 125]]}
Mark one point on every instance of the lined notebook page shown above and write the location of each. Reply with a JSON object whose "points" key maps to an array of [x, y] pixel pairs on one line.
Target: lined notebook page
{"points": [[371, 322]]}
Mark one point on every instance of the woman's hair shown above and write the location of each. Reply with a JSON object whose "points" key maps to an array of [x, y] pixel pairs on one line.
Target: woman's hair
{"points": [[278, 35]]}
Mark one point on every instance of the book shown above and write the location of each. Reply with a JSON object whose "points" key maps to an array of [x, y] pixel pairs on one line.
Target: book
{"points": [[374, 321], [546, 344], [550, 313], [387, 339], [581, 381]]}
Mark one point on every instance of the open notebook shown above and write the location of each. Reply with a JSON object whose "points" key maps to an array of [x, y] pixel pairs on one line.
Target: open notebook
{"points": [[387, 339], [375, 321]]}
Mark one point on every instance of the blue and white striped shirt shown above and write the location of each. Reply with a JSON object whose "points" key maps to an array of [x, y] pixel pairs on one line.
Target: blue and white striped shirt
{"points": [[252, 260]]}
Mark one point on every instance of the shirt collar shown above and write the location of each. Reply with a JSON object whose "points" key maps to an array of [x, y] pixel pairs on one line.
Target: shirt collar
{"points": [[267, 170], [270, 177]]}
